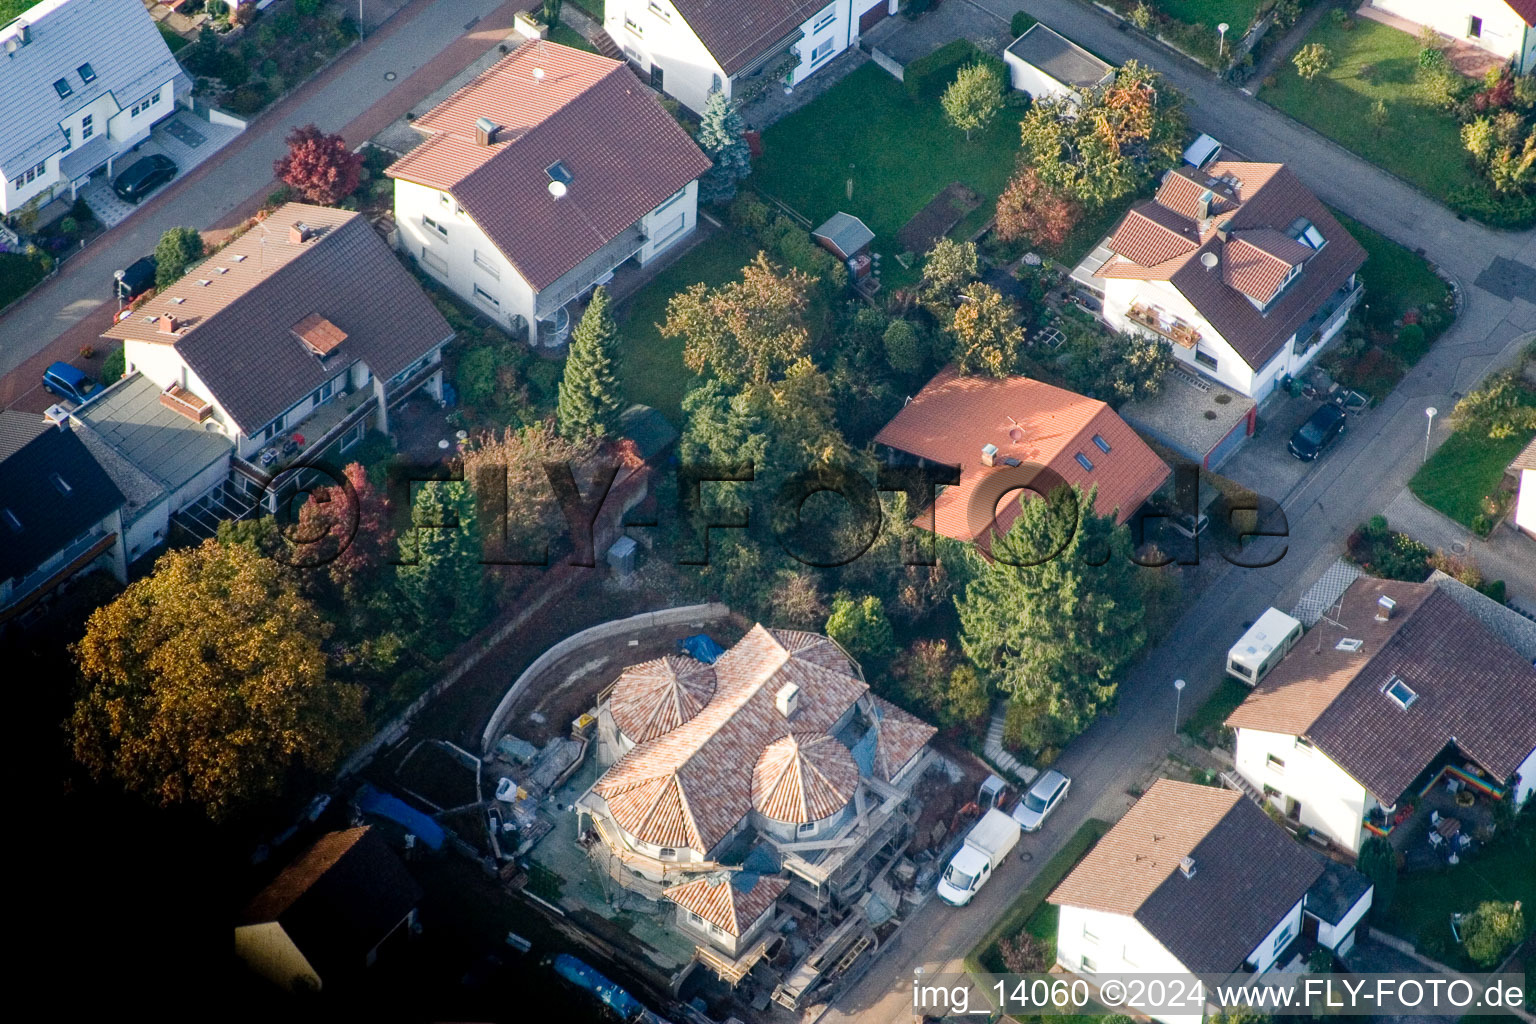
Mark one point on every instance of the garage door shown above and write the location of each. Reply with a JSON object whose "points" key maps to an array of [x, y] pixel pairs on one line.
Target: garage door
{"points": [[872, 17]]}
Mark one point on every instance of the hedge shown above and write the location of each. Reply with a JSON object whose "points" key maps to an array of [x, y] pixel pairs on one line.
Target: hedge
{"points": [[931, 75]]}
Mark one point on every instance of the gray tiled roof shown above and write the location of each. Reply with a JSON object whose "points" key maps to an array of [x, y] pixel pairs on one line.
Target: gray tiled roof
{"points": [[31, 452], [116, 37]]}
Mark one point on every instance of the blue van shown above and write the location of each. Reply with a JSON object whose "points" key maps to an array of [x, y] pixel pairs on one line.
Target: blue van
{"points": [[70, 383]]}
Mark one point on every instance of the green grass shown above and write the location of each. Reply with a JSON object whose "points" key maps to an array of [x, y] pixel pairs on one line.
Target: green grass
{"points": [[652, 370], [10, 9], [1425, 901], [1207, 719], [1238, 14], [18, 273], [174, 41], [1463, 471], [567, 36], [1419, 142], [983, 957], [1396, 278], [899, 151], [593, 8]]}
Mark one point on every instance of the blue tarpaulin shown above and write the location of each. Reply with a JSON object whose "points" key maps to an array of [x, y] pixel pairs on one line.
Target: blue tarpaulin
{"points": [[372, 801], [584, 975], [701, 647]]}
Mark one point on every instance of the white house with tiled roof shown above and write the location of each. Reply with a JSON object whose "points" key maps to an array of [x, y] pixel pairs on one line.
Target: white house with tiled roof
{"points": [[777, 756], [1505, 28], [81, 83], [1238, 265]]}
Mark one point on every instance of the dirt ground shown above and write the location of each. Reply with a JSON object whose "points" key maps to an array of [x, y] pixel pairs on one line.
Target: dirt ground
{"points": [[934, 221]]}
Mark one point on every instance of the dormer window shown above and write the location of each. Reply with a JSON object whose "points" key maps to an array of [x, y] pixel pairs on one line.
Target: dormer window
{"points": [[1305, 232], [1400, 692], [62, 87], [87, 73]]}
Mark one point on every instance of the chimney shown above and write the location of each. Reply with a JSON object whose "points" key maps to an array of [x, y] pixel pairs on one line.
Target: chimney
{"points": [[787, 700], [989, 455], [1187, 867], [1203, 207], [1384, 606], [168, 324], [1224, 229], [58, 416], [299, 232], [485, 131]]}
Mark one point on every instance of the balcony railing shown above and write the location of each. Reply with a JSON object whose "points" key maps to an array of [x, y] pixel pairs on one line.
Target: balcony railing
{"points": [[1170, 327]]}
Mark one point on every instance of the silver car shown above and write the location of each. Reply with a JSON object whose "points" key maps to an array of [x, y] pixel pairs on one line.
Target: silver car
{"points": [[1043, 797]]}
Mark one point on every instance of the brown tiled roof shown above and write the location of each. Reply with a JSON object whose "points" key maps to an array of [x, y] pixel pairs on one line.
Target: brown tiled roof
{"points": [[1527, 458], [1248, 874], [656, 697], [1526, 9], [1256, 204], [625, 154], [737, 33], [238, 310], [902, 736], [954, 416], [320, 335], [1471, 688], [720, 903], [803, 778], [691, 786]]}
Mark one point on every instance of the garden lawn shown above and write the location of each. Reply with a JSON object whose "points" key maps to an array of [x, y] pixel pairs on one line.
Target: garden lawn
{"points": [[10, 9], [1396, 279], [1467, 468], [651, 368], [1207, 719], [1419, 142], [174, 41], [899, 151], [1238, 14]]}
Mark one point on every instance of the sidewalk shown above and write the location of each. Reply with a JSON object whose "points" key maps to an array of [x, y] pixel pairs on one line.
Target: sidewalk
{"points": [[1505, 555]]}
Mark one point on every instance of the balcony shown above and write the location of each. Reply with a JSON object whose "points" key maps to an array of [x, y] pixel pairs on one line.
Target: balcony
{"points": [[315, 432], [1328, 315], [1170, 327]]}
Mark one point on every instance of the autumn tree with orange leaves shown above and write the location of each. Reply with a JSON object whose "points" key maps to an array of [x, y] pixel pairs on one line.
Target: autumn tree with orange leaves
{"points": [[744, 332], [1028, 208]]}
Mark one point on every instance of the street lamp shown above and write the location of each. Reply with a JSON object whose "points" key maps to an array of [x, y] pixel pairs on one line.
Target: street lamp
{"points": [[1430, 412], [1221, 52], [1178, 695]]}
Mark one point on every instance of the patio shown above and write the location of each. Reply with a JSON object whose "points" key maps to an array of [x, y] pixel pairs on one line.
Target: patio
{"points": [[1439, 808]]}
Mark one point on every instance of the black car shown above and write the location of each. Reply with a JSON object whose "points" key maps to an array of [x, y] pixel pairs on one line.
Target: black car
{"points": [[144, 177], [135, 279], [1322, 428]]}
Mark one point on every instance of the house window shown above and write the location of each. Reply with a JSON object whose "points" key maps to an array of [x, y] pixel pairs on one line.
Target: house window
{"points": [[1205, 359], [434, 225], [667, 853], [695, 918], [823, 50], [634, 26], [1282, 940], [1082, 460], [826, 18], [433, 260], [1101, 444], [806, 829], [87, 73], [660, 11], [669, 230], [62, 88], [1088, 935], [352, 436], [487, 298], [155, 98], [31, 173], [323, 393], [1303, 743], [86, 127], [1401, 693], [716, 929], [1275, 764], [1474, 28], [68, 142], [1305, 232], [715, 83], [1089, 966], [270, 430], [487, 264], [674, 197]]}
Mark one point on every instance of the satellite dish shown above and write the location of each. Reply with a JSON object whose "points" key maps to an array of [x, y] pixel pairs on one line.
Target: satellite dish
{"points": [[538, 74], [557, 189], [1208, 260]]}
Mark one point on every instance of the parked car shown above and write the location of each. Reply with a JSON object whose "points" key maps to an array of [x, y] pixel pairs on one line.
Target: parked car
{"points": [[135, 279], [1322, 428], [986, 844], [70, 383], [1043, 797], [143, 177]]}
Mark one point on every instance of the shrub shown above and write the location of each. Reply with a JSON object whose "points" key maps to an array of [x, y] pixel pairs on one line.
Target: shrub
{"points": [[1312, 60], [1020, 23], [475, 376], [1341, 19], [930, 75], [1492, 930], [307, 8], [248, 99], [1023, 954], [69, 225], [113, 366], [903, 348], [1411, 343]]}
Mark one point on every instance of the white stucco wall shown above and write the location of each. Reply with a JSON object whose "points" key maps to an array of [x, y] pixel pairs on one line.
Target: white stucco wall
{"points": [[662, 38], [1525, 510], [1264, 955], [1230, 369], [1337, 937], [1027, 78], [1503, 32], [1116, 943], [1331, 800], [1527, 769]]}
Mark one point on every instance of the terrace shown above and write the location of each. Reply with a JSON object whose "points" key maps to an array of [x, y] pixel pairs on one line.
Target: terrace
{"points": [[1445, 816], [1170, 327]]}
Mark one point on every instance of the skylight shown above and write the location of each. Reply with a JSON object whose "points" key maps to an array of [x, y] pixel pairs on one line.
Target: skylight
{"points": [[1349, 644], [1102, 444], [60, 483], [1305, 232], [87, 73], [11, 520], [557, 171], [1401, 693], [1082, 460], [62, 88]]}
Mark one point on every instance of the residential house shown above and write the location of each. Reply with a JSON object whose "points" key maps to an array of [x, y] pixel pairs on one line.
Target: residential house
{"points": [[331, 914], [1047, 65], [82, 82], [1198, 880], [1395, 687], [1238, 265], [60, 513], [1505, 28], [291, 340], [1524, 471], [690, 48], [162, 460], [539, 179], [774, 769], [1008, 433]]}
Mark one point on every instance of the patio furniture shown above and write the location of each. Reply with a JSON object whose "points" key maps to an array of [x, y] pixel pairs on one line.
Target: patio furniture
{"points": [[1435, 840], [1452, 786], [1448, 827], [1434, 818]]}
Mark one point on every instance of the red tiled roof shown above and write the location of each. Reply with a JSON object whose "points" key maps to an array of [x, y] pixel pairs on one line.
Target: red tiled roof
{"points": [[803, 778], [1255, 204], [902, 736], [690, 787], [736, 33], [954, 416], [553, 104], [721, 904], [656, 697]]}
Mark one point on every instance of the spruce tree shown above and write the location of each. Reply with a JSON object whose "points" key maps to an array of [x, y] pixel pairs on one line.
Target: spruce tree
{"points": [[720, 137], [444, 582], [1055, 635], [589, 390]]}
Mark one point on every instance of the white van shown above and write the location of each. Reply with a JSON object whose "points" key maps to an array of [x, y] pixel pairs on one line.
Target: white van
{"points": [[1261, 648]]}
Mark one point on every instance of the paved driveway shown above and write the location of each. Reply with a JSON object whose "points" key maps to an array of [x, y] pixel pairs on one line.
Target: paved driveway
{"points": [[184, 137]]}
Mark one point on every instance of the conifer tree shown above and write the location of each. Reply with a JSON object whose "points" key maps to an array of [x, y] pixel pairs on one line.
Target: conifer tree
{"points": [[589, 390], [720, 137]]}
